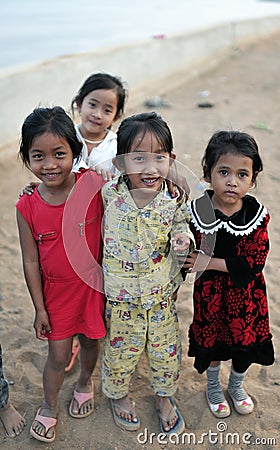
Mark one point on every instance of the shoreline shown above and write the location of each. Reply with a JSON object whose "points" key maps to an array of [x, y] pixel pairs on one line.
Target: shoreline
{"points": [[56, 81], [39, 35]]}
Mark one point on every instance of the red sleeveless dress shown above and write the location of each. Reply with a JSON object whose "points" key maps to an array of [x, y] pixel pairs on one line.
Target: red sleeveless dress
{"points": [[70, 252]]}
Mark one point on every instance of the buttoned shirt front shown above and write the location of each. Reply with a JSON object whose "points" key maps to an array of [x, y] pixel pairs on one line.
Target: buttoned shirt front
{"points": [[138, 261]]}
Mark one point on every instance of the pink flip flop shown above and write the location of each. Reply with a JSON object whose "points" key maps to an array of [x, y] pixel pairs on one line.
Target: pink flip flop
{"points": [[81, 398], [47, 422]]}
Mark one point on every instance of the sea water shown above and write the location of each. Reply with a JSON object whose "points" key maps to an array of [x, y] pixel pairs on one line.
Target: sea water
{"points": [[33, 31]]}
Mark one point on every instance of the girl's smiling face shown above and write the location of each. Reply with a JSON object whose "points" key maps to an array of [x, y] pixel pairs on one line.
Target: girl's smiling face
{"points": [[50, 159], [231, 179], [147, 165], [98, 111]]}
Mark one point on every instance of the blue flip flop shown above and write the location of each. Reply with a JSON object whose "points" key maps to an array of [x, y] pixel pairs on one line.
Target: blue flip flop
{"points": [[179, 426], [122, 423]]}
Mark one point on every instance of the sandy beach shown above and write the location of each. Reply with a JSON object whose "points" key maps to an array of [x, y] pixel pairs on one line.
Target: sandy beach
{"points": [[243, 93]]}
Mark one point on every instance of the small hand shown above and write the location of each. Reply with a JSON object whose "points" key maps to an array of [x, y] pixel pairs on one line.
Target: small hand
{"points": [[42, 325], [105, 173], [29, 189], [180, 242], [196, 261]]}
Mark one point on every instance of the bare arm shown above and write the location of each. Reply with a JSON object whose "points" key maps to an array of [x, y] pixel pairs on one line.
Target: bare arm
{"points": [[31, 268], [198, 262]]}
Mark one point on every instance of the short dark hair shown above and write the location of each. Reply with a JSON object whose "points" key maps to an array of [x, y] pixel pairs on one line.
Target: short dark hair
{"points": [[48, 120], [223, 142], [143, 123]]}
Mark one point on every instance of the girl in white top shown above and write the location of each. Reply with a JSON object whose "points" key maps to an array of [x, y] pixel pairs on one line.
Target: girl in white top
{"points": [[100, 102]]}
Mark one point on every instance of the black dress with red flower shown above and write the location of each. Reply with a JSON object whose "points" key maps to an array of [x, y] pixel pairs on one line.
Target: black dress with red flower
{"points": [[230, 309]]}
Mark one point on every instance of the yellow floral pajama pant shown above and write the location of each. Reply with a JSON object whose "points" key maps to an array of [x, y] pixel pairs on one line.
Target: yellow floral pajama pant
{"points": [[131, 329]]}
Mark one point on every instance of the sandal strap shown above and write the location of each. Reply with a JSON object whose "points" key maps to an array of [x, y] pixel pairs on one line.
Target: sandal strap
{"points": [[122, 409], [170, 414], [82, 397], [47, 422]]}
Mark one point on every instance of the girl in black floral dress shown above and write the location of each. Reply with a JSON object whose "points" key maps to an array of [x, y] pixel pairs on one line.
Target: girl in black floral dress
{"points": [[230, 302]]}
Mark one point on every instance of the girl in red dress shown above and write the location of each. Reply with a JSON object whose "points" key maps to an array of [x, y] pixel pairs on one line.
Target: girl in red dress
{"points": [[60, 237], [230, 302]]}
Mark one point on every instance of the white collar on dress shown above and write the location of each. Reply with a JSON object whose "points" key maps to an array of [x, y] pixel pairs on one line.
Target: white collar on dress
{"points": [[228, 223]]}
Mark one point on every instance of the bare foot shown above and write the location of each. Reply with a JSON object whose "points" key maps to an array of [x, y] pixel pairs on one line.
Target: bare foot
{"points": [[165, 407], [12, 420], [125, 409]]}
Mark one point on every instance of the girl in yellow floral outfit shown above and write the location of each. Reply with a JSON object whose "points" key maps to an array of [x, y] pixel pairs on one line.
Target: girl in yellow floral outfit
{"points": [[143, 226]]}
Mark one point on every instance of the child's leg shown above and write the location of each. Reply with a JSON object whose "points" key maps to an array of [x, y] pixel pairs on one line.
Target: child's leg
{"points": [[214, 393], [53, 376], [164, 352], [241, 400], [123, 346], [11, 419], [82, 402]]}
